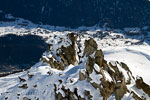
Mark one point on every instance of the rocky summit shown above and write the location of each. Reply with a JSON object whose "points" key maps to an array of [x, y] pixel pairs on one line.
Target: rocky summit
{"points": [[68, 71]]}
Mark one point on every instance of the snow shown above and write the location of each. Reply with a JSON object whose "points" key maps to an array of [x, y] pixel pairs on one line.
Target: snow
{"points": [[115, 46], [96, 67], [137, 59], [107, 75], [95, 77]]}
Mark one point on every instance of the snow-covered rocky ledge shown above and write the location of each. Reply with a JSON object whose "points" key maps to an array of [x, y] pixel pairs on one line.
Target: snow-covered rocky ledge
{"points": [[69, 70]]}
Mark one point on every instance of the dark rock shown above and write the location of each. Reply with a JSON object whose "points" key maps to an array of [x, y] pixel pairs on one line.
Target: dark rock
{"points": [[21, 79], [140, 84], [24, 86]]}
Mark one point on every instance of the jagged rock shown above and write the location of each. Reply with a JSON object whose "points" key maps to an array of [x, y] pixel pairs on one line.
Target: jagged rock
{"points": [[99, 57], [104, 77], [24, 86], [120, 87], [90, 65], [140, 84], [68, 54], [90, 47], [97, 63], [120, 84], [21, 79], [106, 89]]}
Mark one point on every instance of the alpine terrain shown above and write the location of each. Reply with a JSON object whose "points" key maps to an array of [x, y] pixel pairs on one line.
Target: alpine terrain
{"points": [[75, 50]]}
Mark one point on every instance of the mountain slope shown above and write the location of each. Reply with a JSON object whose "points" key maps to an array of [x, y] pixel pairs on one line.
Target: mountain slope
{"points": [[83, 74]]}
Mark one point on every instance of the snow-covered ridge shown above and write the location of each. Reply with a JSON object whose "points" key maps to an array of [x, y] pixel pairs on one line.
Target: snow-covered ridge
{"points": [[130, 46], [83, 74]]}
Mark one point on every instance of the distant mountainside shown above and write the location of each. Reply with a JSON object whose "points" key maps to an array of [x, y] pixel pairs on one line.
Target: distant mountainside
{"points": [[75, 13]]}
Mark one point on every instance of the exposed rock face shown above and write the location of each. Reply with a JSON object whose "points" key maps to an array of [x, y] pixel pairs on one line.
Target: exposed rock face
{"points": [[90, 65], [111, 79], [90, 47], [66, 54], [99, 57]]}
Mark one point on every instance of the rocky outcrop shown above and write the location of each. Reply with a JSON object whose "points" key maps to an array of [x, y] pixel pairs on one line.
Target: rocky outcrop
{"points": [[90, 47], [66, 53], [93, 77], [112, 77]]}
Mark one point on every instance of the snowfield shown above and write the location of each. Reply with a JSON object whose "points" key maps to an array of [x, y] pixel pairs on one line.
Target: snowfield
{"points": [[136, 57], [132, 50]]}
